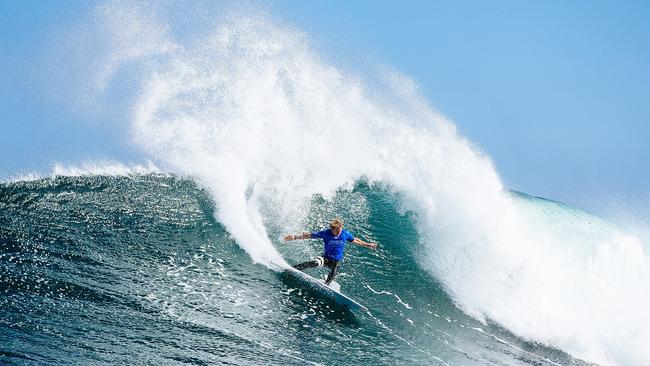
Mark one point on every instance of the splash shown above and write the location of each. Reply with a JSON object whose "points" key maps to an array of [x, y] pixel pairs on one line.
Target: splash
{"points": [[108, 168], [259, 118], [90, 168], [256, 116]]}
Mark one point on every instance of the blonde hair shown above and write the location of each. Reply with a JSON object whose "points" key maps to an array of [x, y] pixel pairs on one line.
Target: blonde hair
{"points": [[336, 224]]}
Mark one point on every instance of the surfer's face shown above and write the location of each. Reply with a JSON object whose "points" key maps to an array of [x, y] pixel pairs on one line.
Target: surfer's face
{"points": [[336, 230]]}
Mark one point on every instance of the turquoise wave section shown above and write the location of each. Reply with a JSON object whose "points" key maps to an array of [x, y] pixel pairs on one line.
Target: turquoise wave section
{"points": [[107, 270]]}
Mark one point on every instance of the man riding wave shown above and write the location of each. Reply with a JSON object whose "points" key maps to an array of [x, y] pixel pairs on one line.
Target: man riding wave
{"points": [[334, 239]]}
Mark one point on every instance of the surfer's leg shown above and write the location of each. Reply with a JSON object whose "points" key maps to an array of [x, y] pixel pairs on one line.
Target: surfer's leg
{"points": [[305, 265], [310, 264], [334, 265]]}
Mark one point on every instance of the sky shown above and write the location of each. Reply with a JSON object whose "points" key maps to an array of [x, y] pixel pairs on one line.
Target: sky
{"points": [[556, 93]]}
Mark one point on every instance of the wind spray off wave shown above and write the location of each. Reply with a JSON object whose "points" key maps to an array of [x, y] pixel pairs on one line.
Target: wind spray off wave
{"points": [[262, 121]]}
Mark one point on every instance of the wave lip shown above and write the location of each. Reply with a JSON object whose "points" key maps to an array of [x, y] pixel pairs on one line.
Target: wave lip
{"points": [[106, 168], [89, 168]]}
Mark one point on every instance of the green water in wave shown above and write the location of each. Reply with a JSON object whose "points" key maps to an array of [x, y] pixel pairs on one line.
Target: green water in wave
{"points": [[135, 270]]}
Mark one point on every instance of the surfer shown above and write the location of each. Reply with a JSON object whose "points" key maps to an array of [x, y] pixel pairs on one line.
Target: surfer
{"points": [[335, 240]]}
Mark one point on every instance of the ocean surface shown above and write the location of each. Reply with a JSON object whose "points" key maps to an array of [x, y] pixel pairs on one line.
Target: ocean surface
{"points": [[136, 270]]}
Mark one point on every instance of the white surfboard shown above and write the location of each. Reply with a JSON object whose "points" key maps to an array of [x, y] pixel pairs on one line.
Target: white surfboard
{"points": [[328, 291]]}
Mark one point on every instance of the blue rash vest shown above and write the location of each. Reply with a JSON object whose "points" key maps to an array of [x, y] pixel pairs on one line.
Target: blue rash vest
{"points": [[334, 245]]}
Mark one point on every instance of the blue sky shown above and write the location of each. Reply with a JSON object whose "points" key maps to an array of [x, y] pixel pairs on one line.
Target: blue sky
{"points": [[557, 93]]}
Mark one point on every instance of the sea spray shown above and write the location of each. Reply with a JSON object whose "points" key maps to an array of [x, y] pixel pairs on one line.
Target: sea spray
{"points": [[262, 121], [253, 111]]}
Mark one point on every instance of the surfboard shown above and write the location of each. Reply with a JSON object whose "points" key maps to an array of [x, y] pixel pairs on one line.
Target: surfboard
{"points": [[325, 290]]}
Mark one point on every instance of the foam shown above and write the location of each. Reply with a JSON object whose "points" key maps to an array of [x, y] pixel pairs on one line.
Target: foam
{"points": [[22, 177], [90, 168], [105, 167]]}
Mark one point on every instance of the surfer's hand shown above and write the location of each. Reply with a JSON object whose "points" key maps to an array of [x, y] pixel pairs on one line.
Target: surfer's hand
{"points": [[289, 238], [371, 246]]}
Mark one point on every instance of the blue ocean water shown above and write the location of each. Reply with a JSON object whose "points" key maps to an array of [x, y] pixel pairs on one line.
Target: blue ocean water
{"points": [[136, 270]]}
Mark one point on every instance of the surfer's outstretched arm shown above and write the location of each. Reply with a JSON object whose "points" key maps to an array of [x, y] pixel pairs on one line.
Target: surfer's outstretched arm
{"points": [[304, 235], [362, 243]]}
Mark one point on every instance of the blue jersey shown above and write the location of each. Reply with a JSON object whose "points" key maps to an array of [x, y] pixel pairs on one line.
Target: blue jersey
{"points": [[334, 245]]}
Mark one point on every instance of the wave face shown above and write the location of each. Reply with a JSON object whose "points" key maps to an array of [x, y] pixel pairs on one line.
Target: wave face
{"points": [[264, 124], [136, 270]]}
